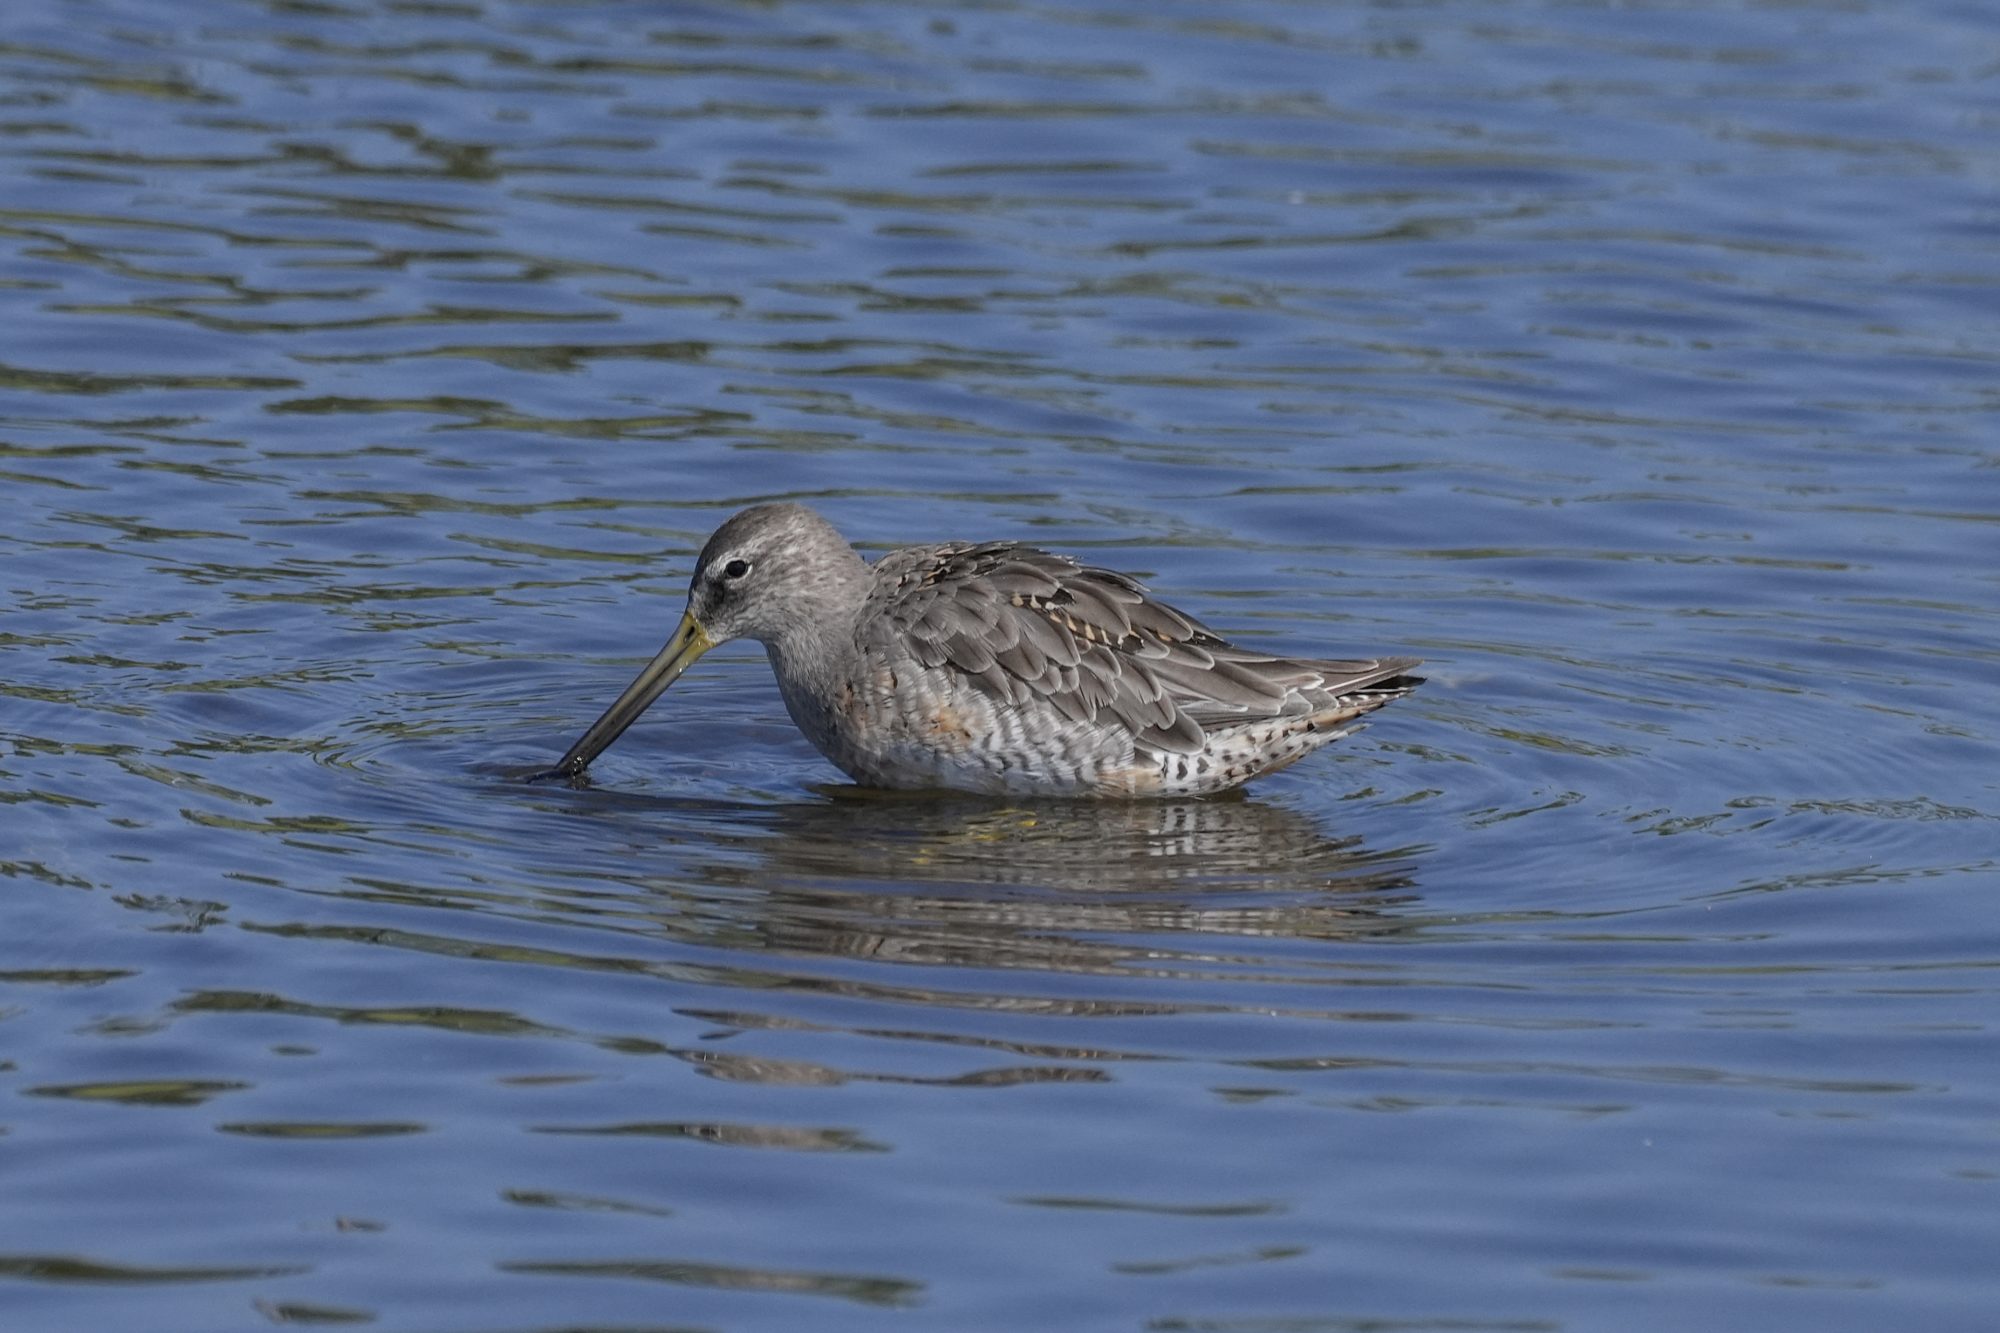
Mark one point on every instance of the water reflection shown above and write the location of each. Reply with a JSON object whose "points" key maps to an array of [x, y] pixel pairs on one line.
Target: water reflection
{"points": [[1067, 847], [866, 1289], [1045, 886]]}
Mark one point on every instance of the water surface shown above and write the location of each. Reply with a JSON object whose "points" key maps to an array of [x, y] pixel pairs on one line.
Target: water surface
{"points": [[371, 374]]}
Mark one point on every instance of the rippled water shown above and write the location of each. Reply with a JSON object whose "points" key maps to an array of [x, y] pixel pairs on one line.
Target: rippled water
{"points": [[370, 374]]}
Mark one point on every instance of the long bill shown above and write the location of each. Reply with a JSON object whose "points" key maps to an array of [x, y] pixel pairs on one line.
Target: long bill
{"points": [[688, 642]]}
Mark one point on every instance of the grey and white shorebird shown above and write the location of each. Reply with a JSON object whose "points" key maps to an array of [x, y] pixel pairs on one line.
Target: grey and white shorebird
{"points": [[996, 667]]}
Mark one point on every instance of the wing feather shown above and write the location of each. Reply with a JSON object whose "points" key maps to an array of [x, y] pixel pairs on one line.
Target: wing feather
{"points": [[1023, 624]]}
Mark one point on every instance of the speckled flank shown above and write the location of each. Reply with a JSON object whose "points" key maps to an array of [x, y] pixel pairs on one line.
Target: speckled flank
{"points": [[1002, 668]]}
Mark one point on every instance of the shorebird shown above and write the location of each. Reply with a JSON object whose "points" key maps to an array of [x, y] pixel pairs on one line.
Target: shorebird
{"points": [[995, 667]]}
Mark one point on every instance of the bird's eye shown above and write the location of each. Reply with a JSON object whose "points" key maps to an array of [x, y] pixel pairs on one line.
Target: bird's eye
{"points": [[736, 569]]}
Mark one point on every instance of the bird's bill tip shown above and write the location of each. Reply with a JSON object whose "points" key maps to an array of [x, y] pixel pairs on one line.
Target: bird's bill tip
{"points": [[688, 642]]}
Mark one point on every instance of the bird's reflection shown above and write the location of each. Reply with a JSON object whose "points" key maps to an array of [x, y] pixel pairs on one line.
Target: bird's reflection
{"points": [[1067, 848], [1063, 885]]}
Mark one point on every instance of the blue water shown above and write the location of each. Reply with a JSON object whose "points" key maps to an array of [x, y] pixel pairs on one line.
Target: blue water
{"points": [[370, 375]]}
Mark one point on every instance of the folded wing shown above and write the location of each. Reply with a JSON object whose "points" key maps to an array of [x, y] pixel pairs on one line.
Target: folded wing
{"points": [[1025, 625]]}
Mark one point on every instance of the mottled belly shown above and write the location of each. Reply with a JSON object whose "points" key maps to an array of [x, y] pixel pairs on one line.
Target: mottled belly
{"points": [[893, 735]]}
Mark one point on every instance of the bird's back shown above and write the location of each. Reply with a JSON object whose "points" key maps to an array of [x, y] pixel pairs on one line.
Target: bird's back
{"points": [[1085, 681]]}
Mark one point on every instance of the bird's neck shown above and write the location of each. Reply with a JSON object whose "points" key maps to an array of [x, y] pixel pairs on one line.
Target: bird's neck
{"points": [[815, 666], [816, 652]]}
